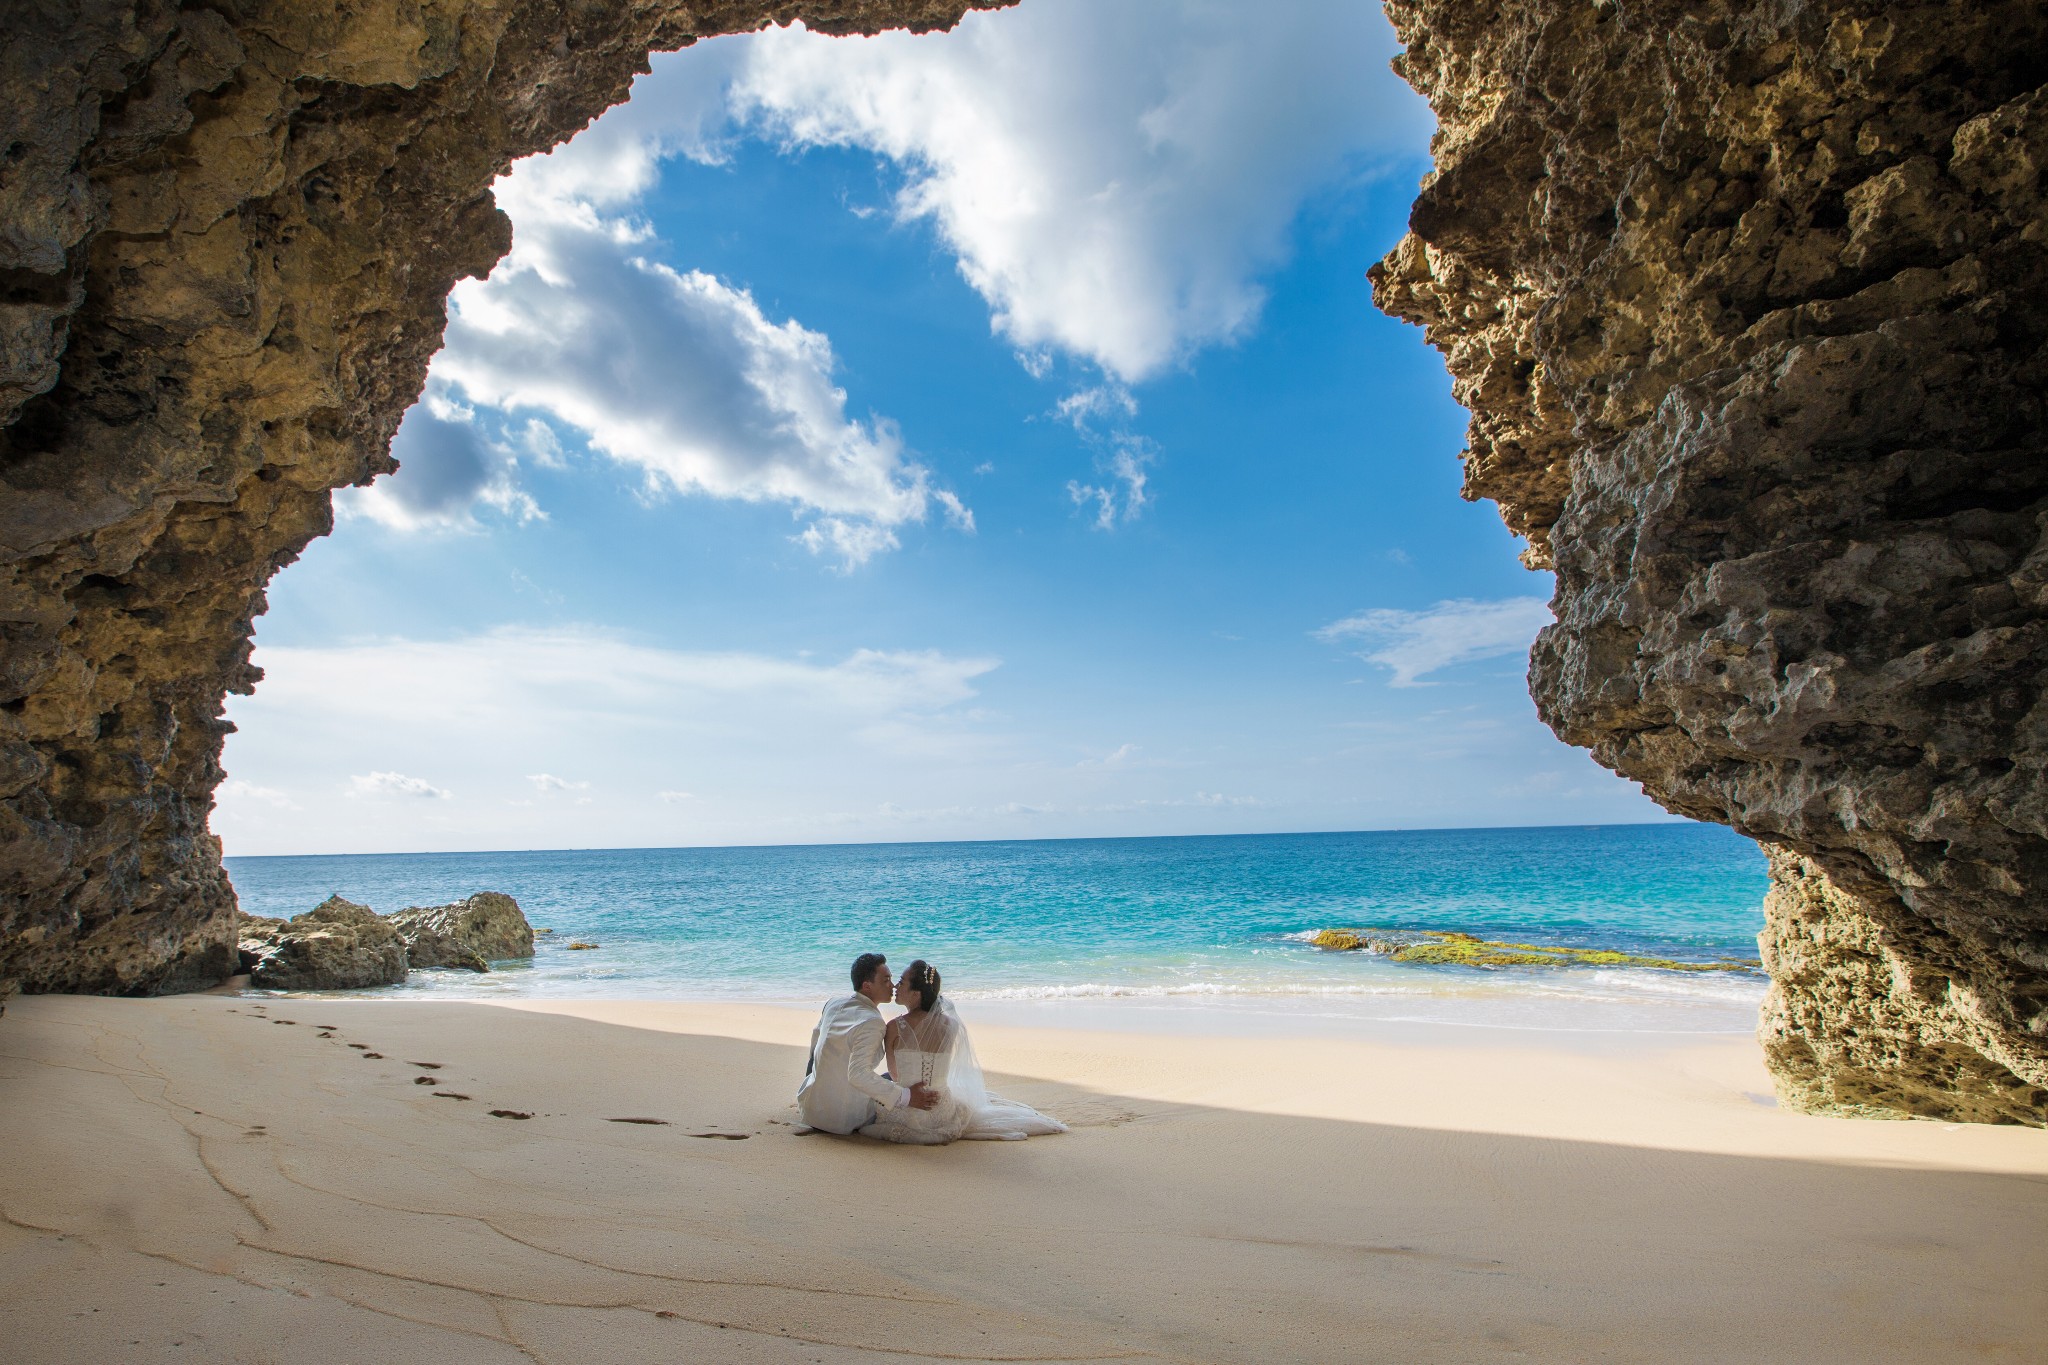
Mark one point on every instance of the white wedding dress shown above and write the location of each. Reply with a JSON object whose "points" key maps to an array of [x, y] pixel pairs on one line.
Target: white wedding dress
{"points": [[939, 1054]]}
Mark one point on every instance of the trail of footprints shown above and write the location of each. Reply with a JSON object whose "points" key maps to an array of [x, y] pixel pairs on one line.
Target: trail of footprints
{"points": [[328, 1031]]}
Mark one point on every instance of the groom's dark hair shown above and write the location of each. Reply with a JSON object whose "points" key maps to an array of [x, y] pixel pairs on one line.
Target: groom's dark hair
{"points": [[864, 968]]}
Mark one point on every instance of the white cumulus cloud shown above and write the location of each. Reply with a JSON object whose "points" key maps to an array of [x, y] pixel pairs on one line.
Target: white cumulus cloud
{"points": [[548, 782], [1113, 178], [449, 463], [675, 373], [1414, 644]]}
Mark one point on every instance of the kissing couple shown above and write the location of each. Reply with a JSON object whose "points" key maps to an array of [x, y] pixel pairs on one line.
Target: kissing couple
{"points": [[933, 1091]]}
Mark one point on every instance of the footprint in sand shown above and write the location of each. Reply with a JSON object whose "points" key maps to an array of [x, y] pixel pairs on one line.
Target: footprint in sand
{"points": [[724, 1137], [284, 1021], [509, 1114], [448, 1095], [424, 1080], [360, 1047], [373, 1056], [660, 1122], [426, 1066]]}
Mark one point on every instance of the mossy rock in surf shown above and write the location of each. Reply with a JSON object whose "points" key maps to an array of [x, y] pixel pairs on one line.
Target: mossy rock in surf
{"points": [[1442, 948]]}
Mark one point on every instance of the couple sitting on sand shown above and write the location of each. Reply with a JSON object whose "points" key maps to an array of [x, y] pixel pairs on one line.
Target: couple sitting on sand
{"points": [[946, 1097]]}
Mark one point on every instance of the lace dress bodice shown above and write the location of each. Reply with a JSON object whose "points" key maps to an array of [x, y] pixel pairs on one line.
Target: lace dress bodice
{"points": [[925, 1055], [946, 1123]]}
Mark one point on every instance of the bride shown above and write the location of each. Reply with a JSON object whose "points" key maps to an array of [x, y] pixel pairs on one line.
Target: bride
{"points": [[929, 1044]]}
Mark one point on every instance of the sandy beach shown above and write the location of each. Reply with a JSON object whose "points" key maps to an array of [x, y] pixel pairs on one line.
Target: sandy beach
{"points": [[233, 1178]]}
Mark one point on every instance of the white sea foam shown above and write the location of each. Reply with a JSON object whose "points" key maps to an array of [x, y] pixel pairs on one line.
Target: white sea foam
{"points": [[1119, 990], [1573, 983]]}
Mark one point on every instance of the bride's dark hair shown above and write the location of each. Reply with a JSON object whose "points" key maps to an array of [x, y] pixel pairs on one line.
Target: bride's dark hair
{"points": [[924, 979]]}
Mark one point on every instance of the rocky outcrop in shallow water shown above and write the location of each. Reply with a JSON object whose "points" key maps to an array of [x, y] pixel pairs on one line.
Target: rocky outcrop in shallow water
{"points": [[471, 934], [336, 946], [340, 945], [227, 235], [1749, 306]]}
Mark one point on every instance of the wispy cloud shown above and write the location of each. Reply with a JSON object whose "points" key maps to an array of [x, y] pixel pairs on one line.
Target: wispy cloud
{"points": [[1096, 403], [234, 789], [1101, 415], [1413, 644], [532, 737], [1122, 497], [389, 784], [522, 677]]}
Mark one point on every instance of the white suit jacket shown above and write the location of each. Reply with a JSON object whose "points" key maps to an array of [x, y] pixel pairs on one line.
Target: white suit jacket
{"points": [[843, 1089]]}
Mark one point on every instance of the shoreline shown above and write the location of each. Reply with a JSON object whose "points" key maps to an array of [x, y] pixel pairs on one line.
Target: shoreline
{"points": [[190, 1176], [1595, 1013]]}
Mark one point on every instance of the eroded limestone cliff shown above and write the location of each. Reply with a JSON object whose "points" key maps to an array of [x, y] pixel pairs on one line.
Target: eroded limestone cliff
{"points": [[227, 235], [1749, 304]]}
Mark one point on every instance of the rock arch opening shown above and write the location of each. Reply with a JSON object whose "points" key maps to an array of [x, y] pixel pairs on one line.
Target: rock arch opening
{"points": [[1749, 309]]}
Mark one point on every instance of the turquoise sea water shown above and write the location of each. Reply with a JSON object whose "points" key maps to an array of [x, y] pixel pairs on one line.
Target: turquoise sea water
{"points": [[1214, 920]]}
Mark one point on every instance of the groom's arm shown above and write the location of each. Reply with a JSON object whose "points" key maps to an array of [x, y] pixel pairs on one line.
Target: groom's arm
{"points": [[863, 1055]]}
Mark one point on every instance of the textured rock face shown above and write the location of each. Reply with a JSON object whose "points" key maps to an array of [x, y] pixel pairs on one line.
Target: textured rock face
{"points": [[1749, 305], [488, 927], [336, 946], [227, 234], [255, 935]]}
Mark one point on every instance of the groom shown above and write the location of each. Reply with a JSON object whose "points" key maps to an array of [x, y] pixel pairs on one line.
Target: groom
{"points": [[841, 1090]]}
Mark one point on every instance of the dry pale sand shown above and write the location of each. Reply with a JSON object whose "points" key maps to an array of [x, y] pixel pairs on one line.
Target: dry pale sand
{"points": [[195, 1179]]}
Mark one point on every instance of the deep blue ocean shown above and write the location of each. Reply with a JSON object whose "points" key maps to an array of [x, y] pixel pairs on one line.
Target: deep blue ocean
{"points": [[1198, 919]]}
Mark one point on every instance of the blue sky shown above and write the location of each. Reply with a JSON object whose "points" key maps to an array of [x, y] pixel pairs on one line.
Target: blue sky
{"points": [[982, 435]]}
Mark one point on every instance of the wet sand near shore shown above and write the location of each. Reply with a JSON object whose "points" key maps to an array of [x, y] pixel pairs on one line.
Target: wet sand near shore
{"points": [[238, 1178]]}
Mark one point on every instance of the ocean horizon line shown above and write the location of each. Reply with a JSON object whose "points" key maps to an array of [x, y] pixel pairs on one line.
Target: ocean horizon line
{"points": [[1673, 822]]}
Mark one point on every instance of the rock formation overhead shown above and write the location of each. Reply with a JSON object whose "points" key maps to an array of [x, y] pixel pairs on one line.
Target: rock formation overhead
{"points": [[1749, 306], [227, 237]]}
